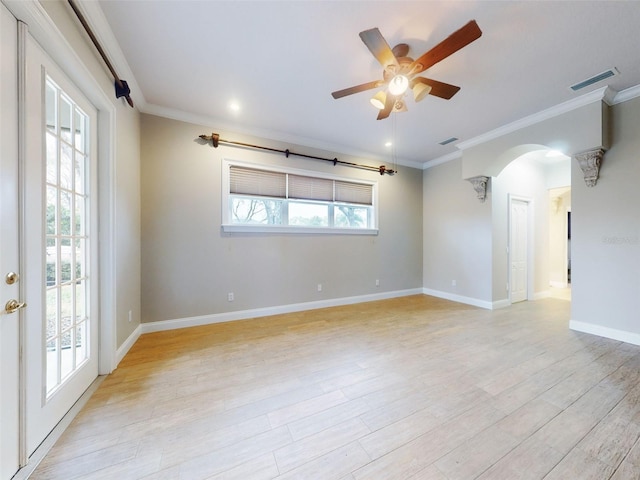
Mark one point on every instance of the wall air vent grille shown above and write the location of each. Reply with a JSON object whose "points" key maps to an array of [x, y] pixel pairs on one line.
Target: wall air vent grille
{"points": [[595, 79], [448, 141]]}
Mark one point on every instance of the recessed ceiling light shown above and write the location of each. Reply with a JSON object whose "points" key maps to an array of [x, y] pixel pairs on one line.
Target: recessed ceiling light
{"points": [[388, 144], [234, 106]]}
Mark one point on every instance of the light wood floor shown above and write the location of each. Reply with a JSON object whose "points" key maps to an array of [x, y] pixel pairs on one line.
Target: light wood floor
{"points": [[411, 388]]}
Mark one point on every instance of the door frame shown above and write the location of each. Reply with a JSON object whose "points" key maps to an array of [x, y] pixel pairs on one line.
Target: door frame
{"points": [[40, 26], [47, 34], [530, 244]]}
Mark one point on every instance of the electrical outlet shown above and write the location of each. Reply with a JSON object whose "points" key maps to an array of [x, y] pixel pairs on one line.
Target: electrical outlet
{"points": [[319, 287], [230, 296], [377, 282], [130, 316], [453, 283]]}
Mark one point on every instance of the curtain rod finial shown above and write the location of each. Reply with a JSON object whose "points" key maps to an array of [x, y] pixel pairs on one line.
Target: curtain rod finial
{"points": [[214, 137]]}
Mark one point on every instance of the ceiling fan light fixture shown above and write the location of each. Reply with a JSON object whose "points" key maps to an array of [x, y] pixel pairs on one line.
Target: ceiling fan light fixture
{"points": [[378, 100], [398, 85], [420, 90], [400, 106]]}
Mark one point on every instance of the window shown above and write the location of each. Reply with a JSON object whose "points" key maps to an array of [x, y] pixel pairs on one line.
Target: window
{"points": [[257, 199]]}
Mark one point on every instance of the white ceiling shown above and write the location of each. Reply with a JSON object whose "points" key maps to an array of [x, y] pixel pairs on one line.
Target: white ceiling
{"points": [[280, 60]]}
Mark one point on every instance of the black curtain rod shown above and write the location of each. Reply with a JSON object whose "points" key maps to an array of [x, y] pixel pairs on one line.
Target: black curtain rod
{"points": [[122, 88], [216, 140]]}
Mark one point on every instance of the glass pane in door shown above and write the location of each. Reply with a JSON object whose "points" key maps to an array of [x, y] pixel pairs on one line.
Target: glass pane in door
{"points": [[67, 242]]}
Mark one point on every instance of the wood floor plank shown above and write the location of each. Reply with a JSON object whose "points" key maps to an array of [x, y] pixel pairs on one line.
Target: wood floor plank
{"points": [[411, 388]]}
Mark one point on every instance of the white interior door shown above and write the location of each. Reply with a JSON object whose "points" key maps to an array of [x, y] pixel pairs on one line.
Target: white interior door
{"points": [[9, 250], [59, 245], [518, 249]]}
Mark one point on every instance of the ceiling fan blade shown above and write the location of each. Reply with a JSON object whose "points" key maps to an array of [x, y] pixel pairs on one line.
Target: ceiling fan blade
{"points": [[376, 43], [388, 107], [357, 89], [454, 42], [439, 89]]}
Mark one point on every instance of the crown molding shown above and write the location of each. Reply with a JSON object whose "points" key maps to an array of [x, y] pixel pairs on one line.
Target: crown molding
{"points": [[102, 30], [626, 95], [605, 94], [273, 135], [443, 159]]}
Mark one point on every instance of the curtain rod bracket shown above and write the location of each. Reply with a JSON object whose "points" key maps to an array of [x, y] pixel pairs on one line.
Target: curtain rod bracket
{"points": [[122, 89]]}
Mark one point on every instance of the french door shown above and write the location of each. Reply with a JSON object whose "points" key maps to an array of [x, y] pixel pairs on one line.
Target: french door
{"points": [[61, 334], [54, 258], [10, 282]]}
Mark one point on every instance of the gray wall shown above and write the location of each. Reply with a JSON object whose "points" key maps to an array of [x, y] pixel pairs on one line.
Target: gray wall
{"points": [[457, 236], [468, 240], [189, 265], [605, 232]]}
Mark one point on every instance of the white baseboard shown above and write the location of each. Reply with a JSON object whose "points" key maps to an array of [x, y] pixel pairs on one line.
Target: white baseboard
{"points": [[558, 284], [541, 295], [612, 333], [127, 344], [267, 311], [460, 299], [504, 303]]}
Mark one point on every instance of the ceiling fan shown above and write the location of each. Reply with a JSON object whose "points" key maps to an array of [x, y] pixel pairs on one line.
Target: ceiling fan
{"points": [[400, 71]]}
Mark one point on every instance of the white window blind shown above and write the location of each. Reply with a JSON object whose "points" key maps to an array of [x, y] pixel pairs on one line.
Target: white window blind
{"points": [[310, 188], [252, 181], [259, 199], [349, 192]]}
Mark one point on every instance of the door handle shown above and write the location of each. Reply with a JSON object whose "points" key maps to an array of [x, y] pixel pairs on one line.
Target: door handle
{"points": [[13, 306]]}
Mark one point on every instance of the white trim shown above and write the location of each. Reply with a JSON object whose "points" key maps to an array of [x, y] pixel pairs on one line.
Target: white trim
{"points": [[601, 331], [459, 298], [278, 136], [541, 295], [127, 344], [47, 34], [625, 95], [227, 227], [267, 311], [444, 159], [604, 93], [500, 304], [252, 228], [107, 238]]}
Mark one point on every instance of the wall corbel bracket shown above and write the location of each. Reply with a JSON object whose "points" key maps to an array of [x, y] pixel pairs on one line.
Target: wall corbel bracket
{"points": [[589, 162], [480, 186]]}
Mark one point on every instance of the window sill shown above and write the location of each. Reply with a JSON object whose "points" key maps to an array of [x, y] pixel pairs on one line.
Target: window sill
{"points": [[297, 230]]}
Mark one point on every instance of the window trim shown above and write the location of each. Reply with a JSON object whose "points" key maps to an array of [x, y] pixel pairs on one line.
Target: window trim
{"points": [[229, 227]]}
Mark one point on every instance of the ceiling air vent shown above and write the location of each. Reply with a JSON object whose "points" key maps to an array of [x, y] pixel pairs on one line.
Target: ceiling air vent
{"points": [[448, 141], [595, 79]]}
